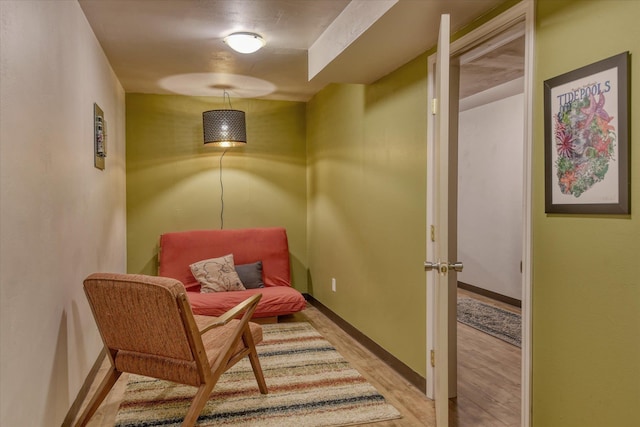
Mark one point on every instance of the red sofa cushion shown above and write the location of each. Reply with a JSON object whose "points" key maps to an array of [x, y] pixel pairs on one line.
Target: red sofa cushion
{"points": [[275, 301], [180, 249]]}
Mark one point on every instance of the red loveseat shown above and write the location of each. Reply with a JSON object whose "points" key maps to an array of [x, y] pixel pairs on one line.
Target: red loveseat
{"points": [[270, 245]]}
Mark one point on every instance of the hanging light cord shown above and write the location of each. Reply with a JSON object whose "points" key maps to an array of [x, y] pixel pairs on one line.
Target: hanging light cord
{"points": [[221, 193], [225, 93]]}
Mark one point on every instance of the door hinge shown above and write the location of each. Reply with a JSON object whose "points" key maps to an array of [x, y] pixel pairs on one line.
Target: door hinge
{"points": [[433, 358], [433, 233], [434, 106]]}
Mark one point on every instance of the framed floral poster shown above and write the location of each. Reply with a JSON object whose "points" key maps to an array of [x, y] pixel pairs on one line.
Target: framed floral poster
{"points": [[587, 139]]}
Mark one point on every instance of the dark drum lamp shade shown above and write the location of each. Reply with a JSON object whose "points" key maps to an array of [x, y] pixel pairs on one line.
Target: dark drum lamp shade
{"points": [[224, 128]]}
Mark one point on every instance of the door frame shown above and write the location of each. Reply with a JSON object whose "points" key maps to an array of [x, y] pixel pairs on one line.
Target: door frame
{"points": [[522, 12]]}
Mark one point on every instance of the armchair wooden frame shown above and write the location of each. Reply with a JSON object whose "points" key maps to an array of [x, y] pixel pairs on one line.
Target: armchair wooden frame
{"points": [[200, 365]]}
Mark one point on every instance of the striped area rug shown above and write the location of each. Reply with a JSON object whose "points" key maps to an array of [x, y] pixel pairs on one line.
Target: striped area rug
{"points": [[310, 384]]}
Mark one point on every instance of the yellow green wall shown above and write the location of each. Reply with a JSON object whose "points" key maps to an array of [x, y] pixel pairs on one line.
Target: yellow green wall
{"points": [[367, 204], [586, 268], [366, 207], [173, 181]]}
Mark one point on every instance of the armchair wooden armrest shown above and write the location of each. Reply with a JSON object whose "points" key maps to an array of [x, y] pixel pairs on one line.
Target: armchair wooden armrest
{"points": [[229, 315]]}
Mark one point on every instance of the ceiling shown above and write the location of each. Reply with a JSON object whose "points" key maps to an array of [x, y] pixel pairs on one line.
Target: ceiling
{"points": [[176, 47]]}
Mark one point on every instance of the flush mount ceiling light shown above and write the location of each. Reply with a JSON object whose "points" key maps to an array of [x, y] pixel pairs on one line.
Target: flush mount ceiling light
{"points": [[245, 42]]}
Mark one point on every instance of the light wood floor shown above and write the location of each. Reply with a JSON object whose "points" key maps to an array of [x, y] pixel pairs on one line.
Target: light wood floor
{"points": [[489, 377], [482, 358]]}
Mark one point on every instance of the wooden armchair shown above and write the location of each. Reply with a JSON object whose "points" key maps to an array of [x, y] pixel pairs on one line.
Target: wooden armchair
{"points": [[148, 328]]}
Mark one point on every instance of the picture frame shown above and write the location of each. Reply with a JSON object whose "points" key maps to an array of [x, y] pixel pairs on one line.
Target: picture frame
{"points": [[586, 129]]}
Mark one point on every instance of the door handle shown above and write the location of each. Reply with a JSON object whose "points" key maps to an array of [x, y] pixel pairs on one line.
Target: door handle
{"points": [[428, 266], [443, 267], [456, 266]]}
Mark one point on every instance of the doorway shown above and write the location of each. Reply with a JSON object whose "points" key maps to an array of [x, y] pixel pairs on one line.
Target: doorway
{"points": [[489, 230], [474, 45]]}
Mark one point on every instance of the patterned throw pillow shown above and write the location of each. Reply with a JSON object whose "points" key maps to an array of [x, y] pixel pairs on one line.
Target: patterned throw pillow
{"points": [[217, 275]]}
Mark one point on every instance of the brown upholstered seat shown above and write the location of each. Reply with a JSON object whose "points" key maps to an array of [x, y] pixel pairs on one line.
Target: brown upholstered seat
{"points": [[148, 328]]}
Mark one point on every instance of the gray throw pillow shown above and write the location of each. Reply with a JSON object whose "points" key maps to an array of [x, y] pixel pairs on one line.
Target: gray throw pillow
{"points": [[250, 275]]}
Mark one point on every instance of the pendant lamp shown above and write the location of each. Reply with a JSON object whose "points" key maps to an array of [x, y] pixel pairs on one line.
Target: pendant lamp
{"points": [[225, 127]]}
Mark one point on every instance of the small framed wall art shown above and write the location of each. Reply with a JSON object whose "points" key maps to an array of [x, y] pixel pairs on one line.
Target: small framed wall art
{"points": [[586, 130], [99, 137]]}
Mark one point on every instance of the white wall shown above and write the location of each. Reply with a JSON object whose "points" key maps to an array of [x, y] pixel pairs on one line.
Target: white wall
{"points": [[490, 195], [61, 218]]}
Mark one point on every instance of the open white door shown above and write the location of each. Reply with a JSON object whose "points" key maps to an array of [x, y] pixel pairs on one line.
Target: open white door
{"points": [[439, 265], [441, 145]]}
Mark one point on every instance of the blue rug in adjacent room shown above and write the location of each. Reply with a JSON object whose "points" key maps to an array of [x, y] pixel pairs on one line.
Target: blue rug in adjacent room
{"points": [[500, 323]]}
